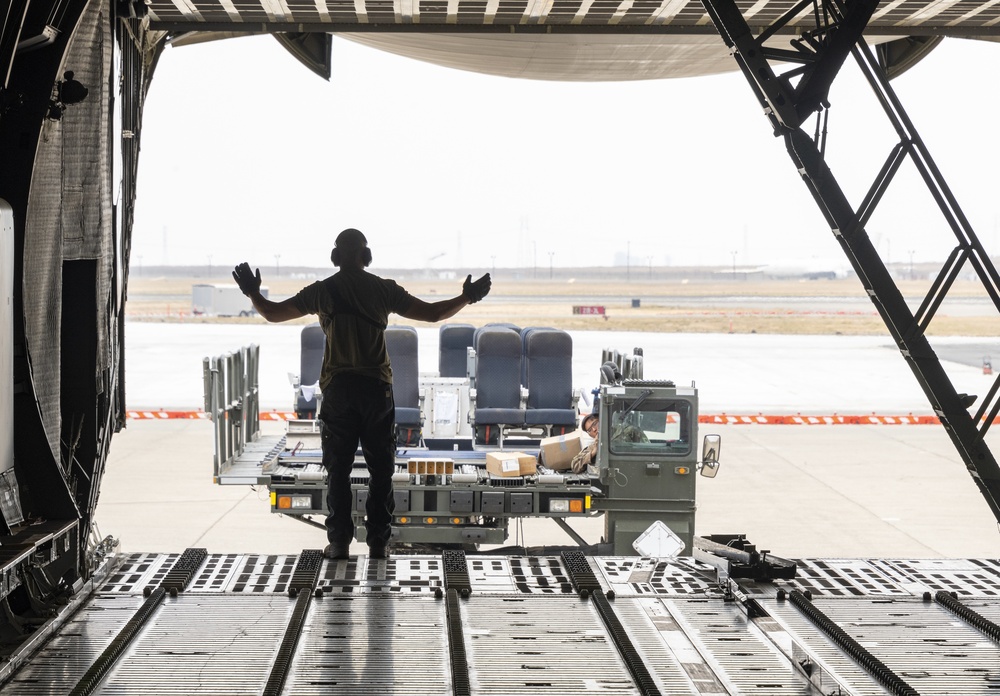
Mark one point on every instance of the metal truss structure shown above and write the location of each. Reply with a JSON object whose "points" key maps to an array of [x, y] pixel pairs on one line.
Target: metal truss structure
{"points": [[800, 93]]}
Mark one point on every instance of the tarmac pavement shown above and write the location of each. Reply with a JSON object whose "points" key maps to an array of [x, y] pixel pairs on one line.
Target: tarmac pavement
{"points": [[816, 491], [799, 490]]}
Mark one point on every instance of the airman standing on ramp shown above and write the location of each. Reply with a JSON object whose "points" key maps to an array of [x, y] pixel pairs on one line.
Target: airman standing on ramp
{"points": [[356, 378]]}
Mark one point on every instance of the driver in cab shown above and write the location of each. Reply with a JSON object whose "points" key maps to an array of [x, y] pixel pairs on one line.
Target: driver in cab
{"points": [[591, 425]]}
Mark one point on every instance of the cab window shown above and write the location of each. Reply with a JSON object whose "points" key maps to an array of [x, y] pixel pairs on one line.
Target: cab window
{"points": [[661, 428]]}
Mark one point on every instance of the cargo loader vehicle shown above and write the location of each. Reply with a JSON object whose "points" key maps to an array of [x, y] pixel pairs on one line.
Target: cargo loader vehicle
{"points": [[452, 488]]}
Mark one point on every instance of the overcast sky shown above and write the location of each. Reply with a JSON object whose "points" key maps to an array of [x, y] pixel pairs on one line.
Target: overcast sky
{"points": [[247, 155]]}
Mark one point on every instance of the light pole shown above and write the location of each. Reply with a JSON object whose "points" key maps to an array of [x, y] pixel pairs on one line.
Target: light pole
{"points": [[534, 259], [628, 261], [277, 265], [140, 264], [650, 260], [912, 252], [551, 254], [209, 265], [734, 263], [494, 260]]}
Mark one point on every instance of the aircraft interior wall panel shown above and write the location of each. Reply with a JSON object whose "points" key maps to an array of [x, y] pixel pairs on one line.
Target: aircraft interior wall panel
{"points": [[7, 343]]}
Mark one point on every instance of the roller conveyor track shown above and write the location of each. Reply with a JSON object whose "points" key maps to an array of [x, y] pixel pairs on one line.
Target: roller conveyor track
{"points": [[387, 627]]}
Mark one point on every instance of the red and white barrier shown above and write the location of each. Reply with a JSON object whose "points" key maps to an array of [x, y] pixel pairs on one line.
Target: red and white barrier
{"points": [[712, 419]]}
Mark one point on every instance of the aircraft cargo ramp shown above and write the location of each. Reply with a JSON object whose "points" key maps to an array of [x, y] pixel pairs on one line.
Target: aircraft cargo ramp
{"points": [[199, 623]]}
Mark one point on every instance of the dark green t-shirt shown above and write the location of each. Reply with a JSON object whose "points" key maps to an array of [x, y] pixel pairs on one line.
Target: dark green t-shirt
{"points": [[354, 344]]}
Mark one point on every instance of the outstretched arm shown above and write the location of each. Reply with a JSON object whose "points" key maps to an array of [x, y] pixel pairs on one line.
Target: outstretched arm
{"points": [[445, 309], [250, 286]]}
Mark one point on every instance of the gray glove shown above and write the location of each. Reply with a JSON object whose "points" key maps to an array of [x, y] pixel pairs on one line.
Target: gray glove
{"points": [[245, 278], [476, 290]]}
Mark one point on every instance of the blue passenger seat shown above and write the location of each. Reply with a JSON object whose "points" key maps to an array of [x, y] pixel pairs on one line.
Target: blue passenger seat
{"points": [[312, 347], [401, 343], [498, 382], [525, 332], [548, 370], [454, 341]]}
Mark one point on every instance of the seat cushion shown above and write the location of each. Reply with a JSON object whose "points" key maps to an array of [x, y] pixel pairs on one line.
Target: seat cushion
{"points": [[409, 417], [550, 416], [499, 416]]}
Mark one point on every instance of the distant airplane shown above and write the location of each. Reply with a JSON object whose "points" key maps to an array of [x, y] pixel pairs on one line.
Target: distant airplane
{"points": [[808, 269]]}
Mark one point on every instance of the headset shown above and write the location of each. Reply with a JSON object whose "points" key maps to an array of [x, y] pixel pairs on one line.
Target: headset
{"points": [[366, 253], [366, 256]]}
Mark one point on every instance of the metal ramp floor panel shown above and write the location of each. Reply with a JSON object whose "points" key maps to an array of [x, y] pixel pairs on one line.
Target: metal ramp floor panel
{"points": [[250, 573], [967, 578], [399, 575], [676, 663], [491, 574], [456, 625], [740, 656], [62, 661], [203, 644], [844, 577], [539, 575], [625, 576], [519, 574], [139, 570], [821, 650], [375, 645], [930, 648], [629, 576], [552, 645]]}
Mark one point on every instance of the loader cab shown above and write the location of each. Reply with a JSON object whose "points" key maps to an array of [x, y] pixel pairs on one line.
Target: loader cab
{"points": [[647, 459]]}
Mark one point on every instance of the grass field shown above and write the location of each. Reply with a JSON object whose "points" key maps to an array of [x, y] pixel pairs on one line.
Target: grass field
{"points": [[732, 306]]}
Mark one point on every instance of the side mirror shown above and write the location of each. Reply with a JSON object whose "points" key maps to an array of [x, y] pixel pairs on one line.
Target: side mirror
{"points": [[710, 449]]}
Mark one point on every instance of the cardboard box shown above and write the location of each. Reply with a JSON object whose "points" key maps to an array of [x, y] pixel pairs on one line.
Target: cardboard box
{"points": [[511, 464], [430, 467], [557, 452]]}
